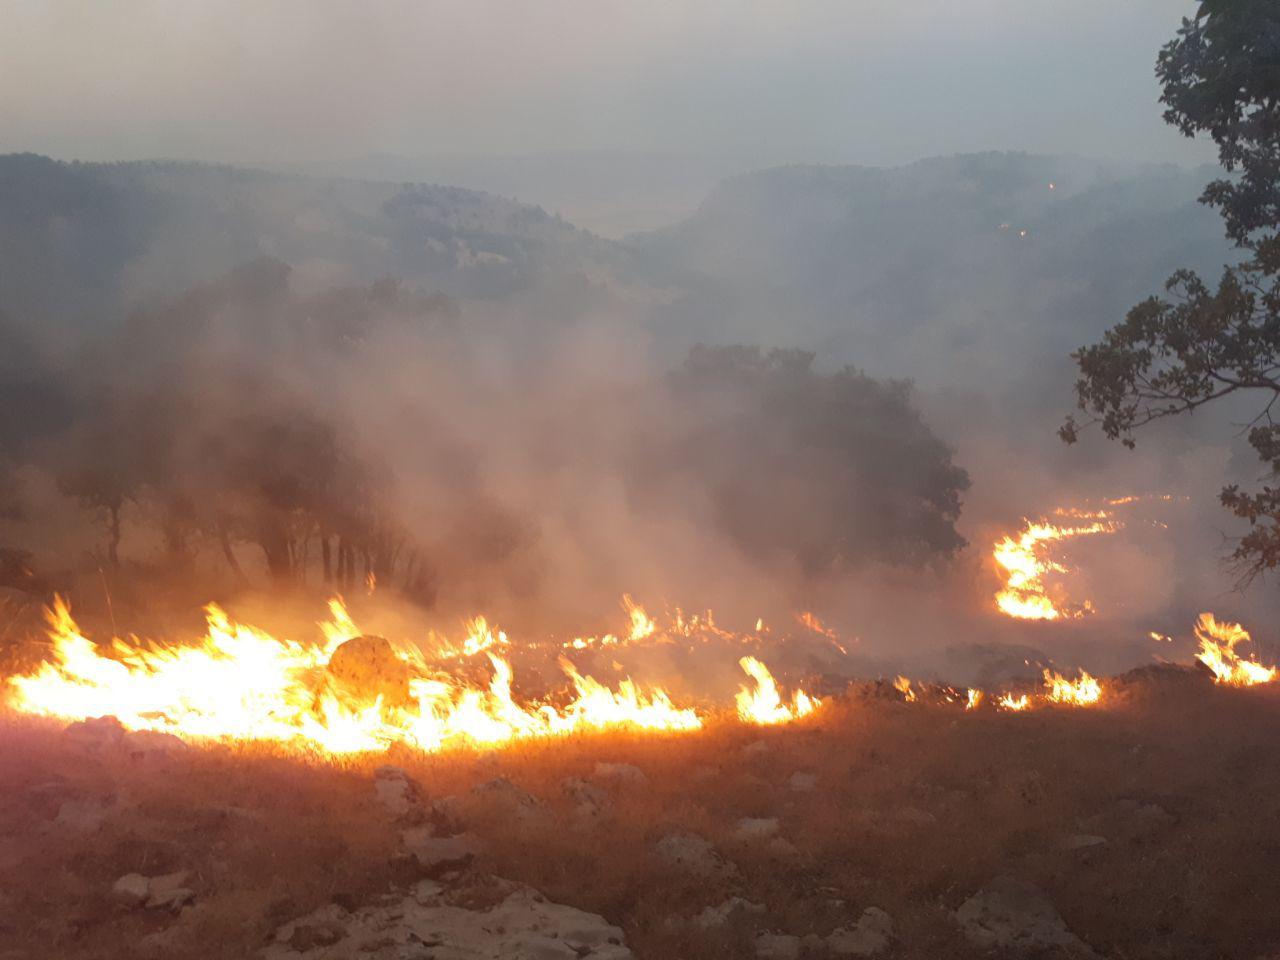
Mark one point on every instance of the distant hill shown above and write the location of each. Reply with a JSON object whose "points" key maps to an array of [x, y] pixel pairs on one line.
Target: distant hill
{"points": [[955, 271], [80, 243], [949, 270]]}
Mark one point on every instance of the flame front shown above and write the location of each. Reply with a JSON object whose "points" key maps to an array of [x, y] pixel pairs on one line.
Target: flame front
{"points": [[239, 683], [1218, 641], [1081, 692], [763, 703], [1026, 562]]}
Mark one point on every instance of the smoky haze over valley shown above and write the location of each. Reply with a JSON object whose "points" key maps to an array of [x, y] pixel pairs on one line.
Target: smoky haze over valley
{"points": [[524, 307]]}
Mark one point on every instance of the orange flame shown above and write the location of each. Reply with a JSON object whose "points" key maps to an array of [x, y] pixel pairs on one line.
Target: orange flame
{"points": [[764, 704], [1218, 641]]}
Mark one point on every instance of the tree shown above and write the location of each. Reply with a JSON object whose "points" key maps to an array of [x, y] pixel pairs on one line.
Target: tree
{"points": [[830, 470], [1198, 344]]}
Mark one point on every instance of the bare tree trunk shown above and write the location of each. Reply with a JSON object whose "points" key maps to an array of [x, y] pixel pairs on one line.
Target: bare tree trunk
{"points": [[225, 542]]}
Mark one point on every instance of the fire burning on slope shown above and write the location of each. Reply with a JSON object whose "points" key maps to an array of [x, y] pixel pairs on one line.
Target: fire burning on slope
{"points": [[350, 693], [1028, 560], [1218, 641]]}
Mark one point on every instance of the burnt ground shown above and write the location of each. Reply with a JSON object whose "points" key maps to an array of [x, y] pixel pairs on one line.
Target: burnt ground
{"points": [[910, 808]]}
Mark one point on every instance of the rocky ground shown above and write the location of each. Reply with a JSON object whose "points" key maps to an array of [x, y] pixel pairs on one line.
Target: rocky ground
{"points": [[1147, 827]]}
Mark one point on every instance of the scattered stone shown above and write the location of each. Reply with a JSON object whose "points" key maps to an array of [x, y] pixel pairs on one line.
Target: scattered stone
{"points": [[169, 892], [96, 733], [869, 938], [522, 926], [153, 744], [619, 773], [693, 855], [82, 816], [756, 828], [511, 801], [589, 801], [1082, 841], [802, 782], [133, 889], [777, 946], [733, 909], [396, 791], [439, 855], [1014, 915]]}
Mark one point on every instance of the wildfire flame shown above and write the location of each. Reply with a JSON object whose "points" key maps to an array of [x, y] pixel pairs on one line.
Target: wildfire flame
{"points": [[1080, 692], [240, 683], [1026, 562], [764, 704], [1218, 641]]}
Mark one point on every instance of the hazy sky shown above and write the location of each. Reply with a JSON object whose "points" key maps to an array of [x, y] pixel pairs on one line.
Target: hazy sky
{"points": [[867, 81]]}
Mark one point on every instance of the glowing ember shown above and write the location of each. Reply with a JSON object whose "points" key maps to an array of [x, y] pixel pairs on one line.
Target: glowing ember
{"points": [[1081, 692], [764, 704], [1217, 652]]}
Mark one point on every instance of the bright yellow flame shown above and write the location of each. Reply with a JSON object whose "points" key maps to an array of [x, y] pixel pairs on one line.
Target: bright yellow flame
{"points": [[1081, 692], [903, 686], [242, 684], [1026, 562], [1009, 702], [1218, 641], [642, 625], [764, 704], [974, 699]]}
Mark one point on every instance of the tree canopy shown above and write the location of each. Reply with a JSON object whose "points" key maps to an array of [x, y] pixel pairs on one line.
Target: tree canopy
{"points": [[1199, 343]]}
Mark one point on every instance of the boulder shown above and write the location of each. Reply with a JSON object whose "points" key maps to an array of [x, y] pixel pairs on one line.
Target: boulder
{"points": [[96, 733], [777, 946], [803, 782], [693, 855], [1016, 916], [734, 910], [365, 668], [521, 926], [132, 889], [398, 793], [869, 938], [756, 828]]}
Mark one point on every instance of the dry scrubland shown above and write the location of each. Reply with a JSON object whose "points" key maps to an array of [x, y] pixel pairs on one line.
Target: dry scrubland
{"points": [[916, 807]]}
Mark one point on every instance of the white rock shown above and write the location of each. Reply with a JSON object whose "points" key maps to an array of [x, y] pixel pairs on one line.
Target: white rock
{"points": [[440, 854], [169, 891], [396, 790], [1014, 915], [870, 937], [803, 782], [622, 773], [693, 855], [132, 889], [83, 816], [757, 748], [513, 800], [777, 946], [732, 909], [523, 926], [95, 733]]}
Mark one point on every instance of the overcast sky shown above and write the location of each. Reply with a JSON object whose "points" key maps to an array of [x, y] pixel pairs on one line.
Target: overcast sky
{"points": [[861, 81]]}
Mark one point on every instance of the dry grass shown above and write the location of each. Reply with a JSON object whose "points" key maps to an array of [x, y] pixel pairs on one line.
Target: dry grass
{"points": [[270, 837]]}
